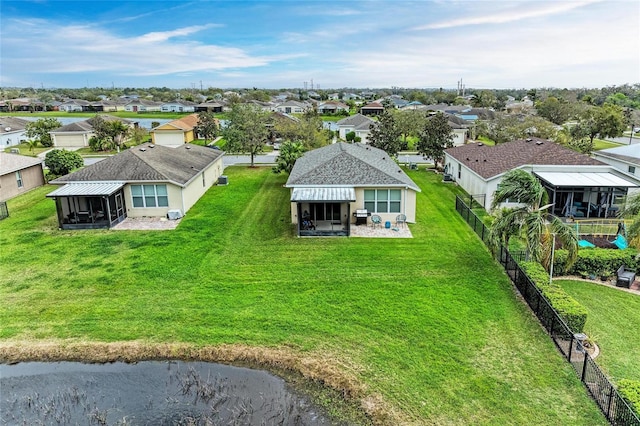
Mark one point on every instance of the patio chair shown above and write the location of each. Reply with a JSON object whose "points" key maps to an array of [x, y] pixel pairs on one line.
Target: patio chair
{"points": [[376, 220], [401, 219], [626, 277]]}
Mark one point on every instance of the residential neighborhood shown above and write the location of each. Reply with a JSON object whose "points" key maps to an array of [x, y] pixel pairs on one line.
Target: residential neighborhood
{"points": [[319, 213]]}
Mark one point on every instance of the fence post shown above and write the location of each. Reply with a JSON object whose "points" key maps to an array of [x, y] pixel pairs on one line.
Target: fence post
{"points": [[570, 348], [584, 368], [611, 391]]}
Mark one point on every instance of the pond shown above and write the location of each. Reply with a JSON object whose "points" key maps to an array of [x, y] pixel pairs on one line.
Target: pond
{"points": [[150, 393], [142, 122]]}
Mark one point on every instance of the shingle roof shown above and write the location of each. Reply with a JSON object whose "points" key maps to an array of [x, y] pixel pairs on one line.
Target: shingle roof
{"points": [[144, 163], [85, 125], [185, 123], [489, 161], [348, 165], [10, 163], [355, 120], [629, 153], [12, 124]]}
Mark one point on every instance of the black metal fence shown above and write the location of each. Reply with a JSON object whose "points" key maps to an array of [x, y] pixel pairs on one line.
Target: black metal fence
{"points": [[614, 407], [4, 211]]}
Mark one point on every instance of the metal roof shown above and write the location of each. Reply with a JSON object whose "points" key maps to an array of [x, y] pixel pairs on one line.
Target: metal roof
{"points": [[326, 194], [585, 179], [87, 189]]}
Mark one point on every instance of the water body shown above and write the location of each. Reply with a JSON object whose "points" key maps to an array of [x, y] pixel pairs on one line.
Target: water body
{"points": [[142, 122], [149, 393]]}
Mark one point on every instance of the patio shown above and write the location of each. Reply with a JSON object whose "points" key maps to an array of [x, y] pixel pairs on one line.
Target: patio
{"points": [[367, 231]]}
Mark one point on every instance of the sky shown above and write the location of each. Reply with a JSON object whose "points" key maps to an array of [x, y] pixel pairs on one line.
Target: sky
{"points": [[273, 44]]}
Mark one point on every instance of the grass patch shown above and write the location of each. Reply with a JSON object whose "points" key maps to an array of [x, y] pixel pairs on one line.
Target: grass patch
{"points": [[599, 144], [26, 150], [430, 325], [613, 321]]}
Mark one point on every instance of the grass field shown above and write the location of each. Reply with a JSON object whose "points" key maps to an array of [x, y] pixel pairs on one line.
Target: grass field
{"points": [[613, 321], [429, 327]]}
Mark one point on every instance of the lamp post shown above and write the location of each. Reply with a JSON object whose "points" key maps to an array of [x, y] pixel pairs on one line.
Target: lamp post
{"points": [[631, 133]]}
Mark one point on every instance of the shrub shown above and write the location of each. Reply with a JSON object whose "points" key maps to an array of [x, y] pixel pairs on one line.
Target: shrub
{"points": [[596, 261], [350, 136], [61, 162], [630, 391], [572, 312]]}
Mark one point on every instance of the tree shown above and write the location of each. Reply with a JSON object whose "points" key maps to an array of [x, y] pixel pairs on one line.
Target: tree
{"points": [[385, 133], [208, 126], [40, 129], [61, 162], [606, 121], [553, 109], [531, 221], [350, 136], [410, 123], [247, 129], [435, 137], [138, 134], [114, 132], [483, 99], [632, 211], [289, 153], [308, 130]]}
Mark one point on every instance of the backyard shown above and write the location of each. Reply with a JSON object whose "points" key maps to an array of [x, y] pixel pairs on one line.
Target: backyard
{"points": [[613, 321], [425, 330]]}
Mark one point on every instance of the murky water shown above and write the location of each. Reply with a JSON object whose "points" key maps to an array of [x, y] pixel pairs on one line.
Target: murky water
{"points": [[149, 393]]}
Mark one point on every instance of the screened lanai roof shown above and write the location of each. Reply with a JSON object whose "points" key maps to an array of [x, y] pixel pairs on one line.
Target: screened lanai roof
{"points": [[324, 194], [86, 189], [585, 179]]}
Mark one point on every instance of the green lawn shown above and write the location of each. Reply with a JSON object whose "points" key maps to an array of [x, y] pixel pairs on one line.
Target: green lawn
{"points": [[429, 325], [613, 321], [599, 144]]}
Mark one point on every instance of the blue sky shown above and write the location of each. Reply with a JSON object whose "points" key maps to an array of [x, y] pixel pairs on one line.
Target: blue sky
{"points": [[282, 44]]}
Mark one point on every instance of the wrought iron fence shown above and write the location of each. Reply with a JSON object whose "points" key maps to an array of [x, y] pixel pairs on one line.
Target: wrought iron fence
{"points": [[4, 211], [614, 407]]}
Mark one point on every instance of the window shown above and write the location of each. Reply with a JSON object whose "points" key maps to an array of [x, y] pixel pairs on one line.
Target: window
{"points": [[149, 196], [382, 200], [19, 178], [632, 170]]}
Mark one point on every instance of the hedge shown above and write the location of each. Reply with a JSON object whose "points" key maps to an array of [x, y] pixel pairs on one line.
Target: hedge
{"points": [[595, 261], [630, 391], [572, 312]]}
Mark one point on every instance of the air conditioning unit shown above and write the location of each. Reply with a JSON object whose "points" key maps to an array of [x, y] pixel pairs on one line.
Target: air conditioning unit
{"points": [[222, 180], [174, 214]]}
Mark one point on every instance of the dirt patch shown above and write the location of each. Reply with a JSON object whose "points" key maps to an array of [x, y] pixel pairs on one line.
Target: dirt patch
{"points": [[324, 369]]}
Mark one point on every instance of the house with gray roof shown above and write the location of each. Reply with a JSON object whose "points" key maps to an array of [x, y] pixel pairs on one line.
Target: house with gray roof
{"points": [[358, 123], [144, 181], [625, 158], [19, 174], [578, 186], [77, 135], [330, 183], [12, 131]]}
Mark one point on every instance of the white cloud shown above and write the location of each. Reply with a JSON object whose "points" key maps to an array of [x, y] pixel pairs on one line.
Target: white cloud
{"points": [[515, 14]]}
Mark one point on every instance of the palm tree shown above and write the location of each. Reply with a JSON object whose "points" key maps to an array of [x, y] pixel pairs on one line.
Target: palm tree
{"points": [[531, 220], [632, 211]]}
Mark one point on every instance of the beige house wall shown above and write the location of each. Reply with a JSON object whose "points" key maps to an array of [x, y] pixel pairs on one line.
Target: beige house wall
{"points": [[32, 177], [199, 186], [407, 206], [179, 198]]}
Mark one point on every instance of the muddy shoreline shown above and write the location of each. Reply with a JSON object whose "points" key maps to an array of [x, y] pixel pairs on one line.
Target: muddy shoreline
{"points": [[321, 376]]}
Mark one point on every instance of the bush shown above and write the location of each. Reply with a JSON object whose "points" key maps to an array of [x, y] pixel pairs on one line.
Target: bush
{"points": [[630, 391], [350, 136], [572, 312], [61, 162], [596, 261]]}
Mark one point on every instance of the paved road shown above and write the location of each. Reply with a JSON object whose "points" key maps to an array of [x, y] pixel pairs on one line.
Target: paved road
{"points": [[624, 140], [270, 158]]}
